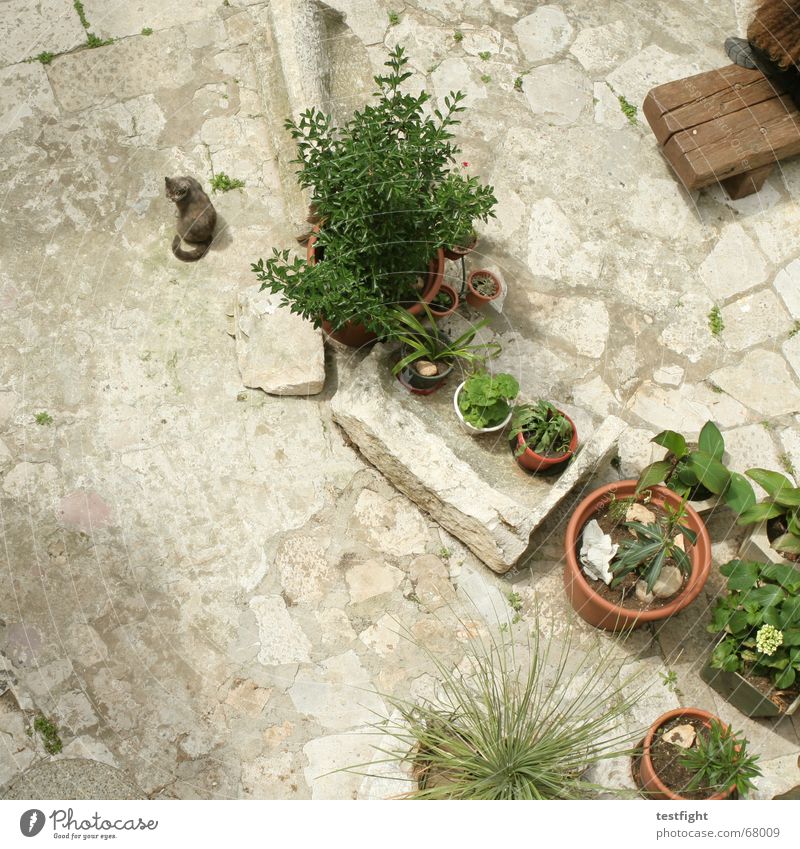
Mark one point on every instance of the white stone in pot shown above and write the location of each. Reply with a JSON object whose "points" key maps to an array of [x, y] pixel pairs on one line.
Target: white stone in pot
{"points": [[597, 552]]}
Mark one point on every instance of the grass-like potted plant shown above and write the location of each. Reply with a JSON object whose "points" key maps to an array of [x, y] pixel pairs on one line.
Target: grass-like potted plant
{"points": [[515, 722], [544, 437], [482, 286], [689, 753], [634, 557], [755, 664], [483, 402], [389, 195], [427, 354], [698, 471], [776, 519]]}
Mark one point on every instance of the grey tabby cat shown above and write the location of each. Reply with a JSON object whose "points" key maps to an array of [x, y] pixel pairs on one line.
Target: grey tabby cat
{"points": [[196, 216]]}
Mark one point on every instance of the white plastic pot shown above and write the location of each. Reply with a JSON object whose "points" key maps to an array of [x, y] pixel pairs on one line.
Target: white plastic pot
{"points": [[476, 431]]}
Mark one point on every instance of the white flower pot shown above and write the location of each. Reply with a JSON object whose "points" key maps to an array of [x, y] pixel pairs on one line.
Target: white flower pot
{"points": [[476, 431]]}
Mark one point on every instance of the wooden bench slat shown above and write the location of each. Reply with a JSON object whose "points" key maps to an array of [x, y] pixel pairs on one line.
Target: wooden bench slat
{"points": [[720, 104], [679, 93]]}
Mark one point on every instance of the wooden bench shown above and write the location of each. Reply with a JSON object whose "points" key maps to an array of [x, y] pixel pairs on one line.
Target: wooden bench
{"points": [[726, 126]]}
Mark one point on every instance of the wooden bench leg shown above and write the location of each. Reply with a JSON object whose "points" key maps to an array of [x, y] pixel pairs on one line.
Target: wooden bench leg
{"points": [[748, 183]]}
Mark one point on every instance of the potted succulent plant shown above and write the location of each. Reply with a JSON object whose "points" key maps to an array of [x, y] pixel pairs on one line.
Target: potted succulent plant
{"points": [[445, 302], [543, 436], [482, 286], [634, 556], [755, 664], [698, 472], [776, 535], [388, 197], [689, 753], [482, 402], [427, 355]]}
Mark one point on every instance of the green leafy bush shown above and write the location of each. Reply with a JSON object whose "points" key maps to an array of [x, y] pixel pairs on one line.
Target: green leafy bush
{"points": [[783, 505], [389, 192], [760, 596], [685, 469], [544, 429], [484, 398], [719, 760], [654, 544]]}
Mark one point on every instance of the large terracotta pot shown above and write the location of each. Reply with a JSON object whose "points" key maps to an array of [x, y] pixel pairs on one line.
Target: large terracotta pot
{"points": [[534, 462], [648, 778], [355, 335], [598, 611]]}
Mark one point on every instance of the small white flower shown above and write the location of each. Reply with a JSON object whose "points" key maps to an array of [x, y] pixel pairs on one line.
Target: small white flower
{"points": [[768, 639]]}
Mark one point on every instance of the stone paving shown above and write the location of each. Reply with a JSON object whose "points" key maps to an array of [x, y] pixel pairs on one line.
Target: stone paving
{"points": [[202, 584]]}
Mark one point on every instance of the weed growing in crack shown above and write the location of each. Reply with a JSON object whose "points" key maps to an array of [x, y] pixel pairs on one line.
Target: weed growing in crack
{"points": [[628, 109], [49, 734], [223, 183], [715, 323]]}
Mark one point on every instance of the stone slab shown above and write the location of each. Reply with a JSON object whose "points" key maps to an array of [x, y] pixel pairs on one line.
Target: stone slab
{"points": [[471, 486], [75, 778], [277, 350]]}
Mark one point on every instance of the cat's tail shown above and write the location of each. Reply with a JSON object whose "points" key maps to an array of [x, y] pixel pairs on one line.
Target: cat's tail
{"points": [[189, 256]]}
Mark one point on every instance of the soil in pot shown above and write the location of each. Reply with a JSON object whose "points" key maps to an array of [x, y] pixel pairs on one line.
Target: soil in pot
{"points": [[780, 698], [776, 527], [624, 595], [442, 303], [665, 757], [486, 287]]}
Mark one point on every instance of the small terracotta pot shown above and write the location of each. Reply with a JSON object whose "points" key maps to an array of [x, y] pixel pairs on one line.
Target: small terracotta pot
{"points": [[648, 778], [355, 335], [474, 298], [457, 252], [534, 462], [454, 302], [598, 611]]}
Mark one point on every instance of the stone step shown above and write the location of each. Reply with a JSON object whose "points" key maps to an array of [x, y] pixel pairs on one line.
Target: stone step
{"points": [[472, 486]]}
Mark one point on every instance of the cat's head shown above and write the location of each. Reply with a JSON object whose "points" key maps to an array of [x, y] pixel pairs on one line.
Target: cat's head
{"points": [[176, 188]]}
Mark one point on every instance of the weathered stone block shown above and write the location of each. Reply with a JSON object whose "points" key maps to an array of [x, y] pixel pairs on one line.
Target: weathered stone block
{"points": [[471, 486], [278, 351]]}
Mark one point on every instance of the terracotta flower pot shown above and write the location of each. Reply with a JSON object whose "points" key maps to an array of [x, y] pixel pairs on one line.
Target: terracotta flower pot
{"points": [[355, 335], [442, 312], [598, 611], [475, 298], [458, 252], [534, 462], [648, 778]]}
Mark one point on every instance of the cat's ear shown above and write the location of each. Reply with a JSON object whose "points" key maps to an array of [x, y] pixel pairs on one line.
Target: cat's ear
{"points": [[168, 182]]}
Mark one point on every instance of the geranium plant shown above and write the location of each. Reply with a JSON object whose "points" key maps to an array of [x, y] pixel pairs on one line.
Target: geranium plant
{"points": [[760, 622], [388, 190], [484, 398]]}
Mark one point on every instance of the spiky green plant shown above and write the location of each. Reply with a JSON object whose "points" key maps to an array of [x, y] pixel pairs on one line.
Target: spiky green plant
{"points": [[719, 760], [544, 429], [524, 723], [423, 341], [654, 544]]}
